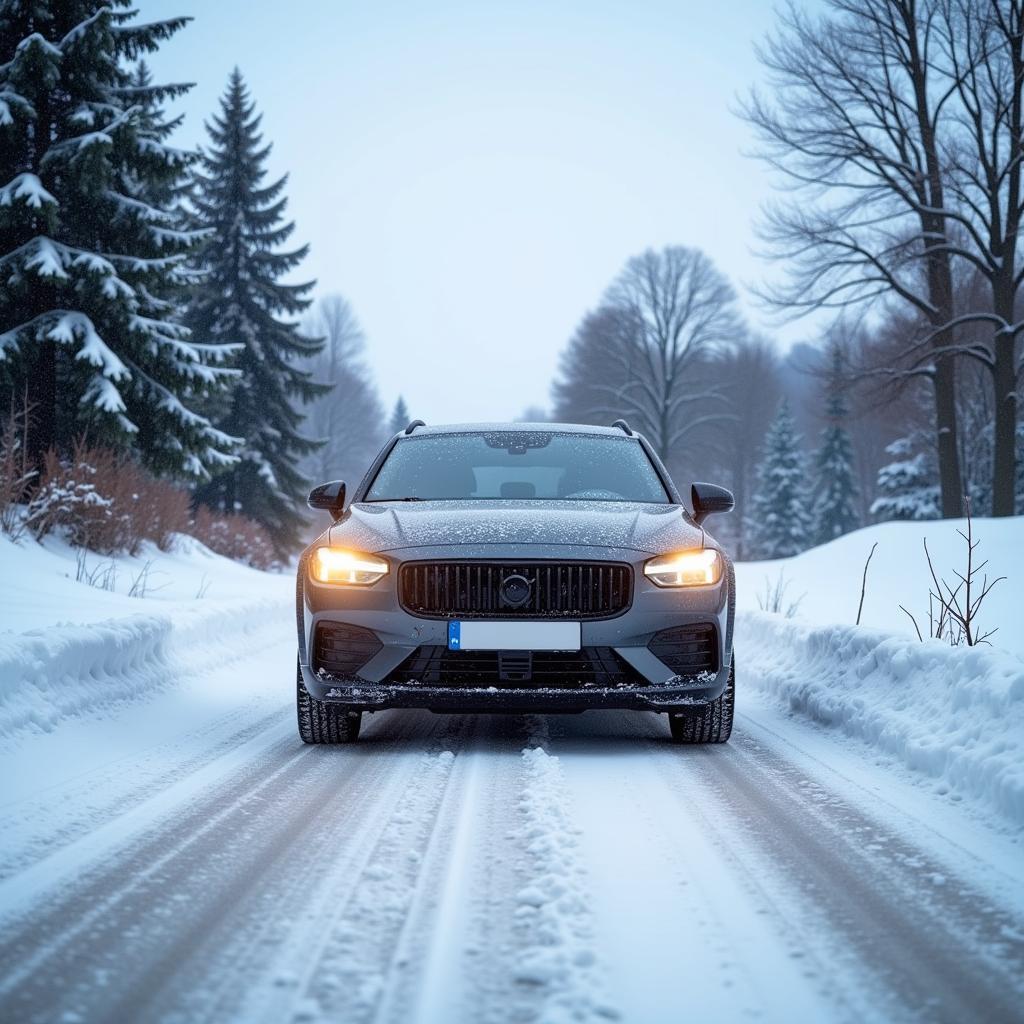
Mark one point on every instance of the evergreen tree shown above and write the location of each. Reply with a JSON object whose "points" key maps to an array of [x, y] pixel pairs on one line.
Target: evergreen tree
{"points": [[835, 511], [242, 300], [908, 486], [90, 258], [781, 523], [399, 417]]}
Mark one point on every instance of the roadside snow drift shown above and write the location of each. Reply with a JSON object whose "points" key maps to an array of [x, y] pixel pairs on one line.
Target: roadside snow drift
{"points": [[72, 661], [955, 714]]}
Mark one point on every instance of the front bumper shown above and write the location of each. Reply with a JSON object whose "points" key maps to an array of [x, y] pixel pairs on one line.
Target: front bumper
{"points": [[359, 695]]}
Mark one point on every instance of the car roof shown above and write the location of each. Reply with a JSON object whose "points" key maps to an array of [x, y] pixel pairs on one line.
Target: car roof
{"points": [[561, 428]]}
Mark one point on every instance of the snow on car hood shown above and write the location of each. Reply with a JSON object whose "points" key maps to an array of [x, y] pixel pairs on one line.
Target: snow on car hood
{"points": [[385, 526]]}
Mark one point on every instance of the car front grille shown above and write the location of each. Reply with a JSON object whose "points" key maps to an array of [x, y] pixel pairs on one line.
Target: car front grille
{"points": [[341, 650], [687, 650], [589, 667], [570, 590]]}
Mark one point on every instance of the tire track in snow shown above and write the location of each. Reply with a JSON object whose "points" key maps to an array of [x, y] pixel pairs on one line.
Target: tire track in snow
{"points": [[931, 948], [102, 795], [123, 933], [428, 920], [350, 965], [461, 952], [678, 931], [261, 965]]}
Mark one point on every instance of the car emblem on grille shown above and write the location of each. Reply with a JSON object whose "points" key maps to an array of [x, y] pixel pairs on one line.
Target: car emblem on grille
{"points": [[515, 591]]}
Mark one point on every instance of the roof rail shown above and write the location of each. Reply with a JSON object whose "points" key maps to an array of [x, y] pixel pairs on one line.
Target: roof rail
{"points": [[624, 426], [412, 426]]}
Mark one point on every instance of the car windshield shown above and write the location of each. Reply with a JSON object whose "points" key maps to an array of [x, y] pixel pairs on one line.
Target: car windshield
{"points": [[518, 465]]}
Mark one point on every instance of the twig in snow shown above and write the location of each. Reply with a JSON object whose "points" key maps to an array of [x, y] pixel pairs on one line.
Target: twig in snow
{"points": [[864, 581], [914, 621]]}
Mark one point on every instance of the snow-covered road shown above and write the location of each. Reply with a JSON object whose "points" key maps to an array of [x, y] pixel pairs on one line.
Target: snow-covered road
{"points": [[198, 863]]}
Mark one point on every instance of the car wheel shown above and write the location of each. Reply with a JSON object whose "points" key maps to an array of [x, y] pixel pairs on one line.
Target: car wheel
{"points": [[713, 724], [320, 722]]}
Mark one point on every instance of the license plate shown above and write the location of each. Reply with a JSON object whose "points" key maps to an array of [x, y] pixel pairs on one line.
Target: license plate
{"points": [[513, 636]]}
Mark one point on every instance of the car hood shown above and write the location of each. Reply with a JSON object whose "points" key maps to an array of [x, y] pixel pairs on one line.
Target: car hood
{"points": [[391, 526]]}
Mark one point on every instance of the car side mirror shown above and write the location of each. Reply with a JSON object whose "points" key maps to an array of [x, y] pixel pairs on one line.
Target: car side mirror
{"points": [[709, 500], [329, 498]]}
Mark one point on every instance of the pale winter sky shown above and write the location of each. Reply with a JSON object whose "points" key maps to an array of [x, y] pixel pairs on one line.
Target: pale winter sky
{"points": [[471, 175]]}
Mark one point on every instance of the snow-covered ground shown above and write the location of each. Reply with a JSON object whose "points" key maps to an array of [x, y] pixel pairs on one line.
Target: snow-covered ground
{"points": [[826, 581], [171, 852]]}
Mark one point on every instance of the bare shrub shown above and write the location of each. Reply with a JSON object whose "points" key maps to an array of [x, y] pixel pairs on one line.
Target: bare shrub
{"points": [[773, 599], [234, 536], [953, 611], [155, 509], [103, 575], [105, 502], [68, 500]]}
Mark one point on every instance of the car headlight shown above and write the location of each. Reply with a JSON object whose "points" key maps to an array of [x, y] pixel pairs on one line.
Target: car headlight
{"points": [[338, 565], [685, 568]]}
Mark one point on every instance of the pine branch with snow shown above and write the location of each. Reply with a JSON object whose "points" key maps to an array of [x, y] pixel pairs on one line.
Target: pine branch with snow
{"points": [[908, 486]]}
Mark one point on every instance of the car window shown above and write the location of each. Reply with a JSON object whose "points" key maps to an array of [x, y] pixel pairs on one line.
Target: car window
{"points": [[518, 465]]}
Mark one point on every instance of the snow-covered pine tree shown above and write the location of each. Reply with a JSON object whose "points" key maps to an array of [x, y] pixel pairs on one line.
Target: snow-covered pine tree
{"points": [[399, 416], [242, 299], [89, 259], [908, 487], [780, 516], [835, 508]]}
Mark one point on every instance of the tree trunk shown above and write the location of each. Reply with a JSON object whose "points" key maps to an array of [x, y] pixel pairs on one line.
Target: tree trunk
{"points": [[947, 441], [41, 390], [939, 272], [950, 480], [940, 293], [1004, 455]]}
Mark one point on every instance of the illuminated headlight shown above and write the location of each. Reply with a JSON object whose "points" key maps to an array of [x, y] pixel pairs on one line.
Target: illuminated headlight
{"points": [[336, 565], [685, 568]]}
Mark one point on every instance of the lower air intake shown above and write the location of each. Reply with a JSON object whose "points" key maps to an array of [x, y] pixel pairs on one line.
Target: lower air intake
{"points": [[342, 650], [687, 650]]}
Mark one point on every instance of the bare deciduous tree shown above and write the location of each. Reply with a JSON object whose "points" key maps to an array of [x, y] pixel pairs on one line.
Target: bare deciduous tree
{"points": [[681, 309], [856, 130], [643, 354]]}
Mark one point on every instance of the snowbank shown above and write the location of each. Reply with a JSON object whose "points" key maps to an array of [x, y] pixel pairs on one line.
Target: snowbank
{"points": [[68, 649], [953, 714], [829, 577]]}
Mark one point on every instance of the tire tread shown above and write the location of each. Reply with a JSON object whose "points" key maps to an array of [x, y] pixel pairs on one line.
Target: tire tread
{"points": [[320, 722], [713, 723]]}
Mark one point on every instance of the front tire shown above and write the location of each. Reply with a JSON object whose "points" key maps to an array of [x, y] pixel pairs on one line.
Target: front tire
{"points": [[713, 723], [321, 722]]}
